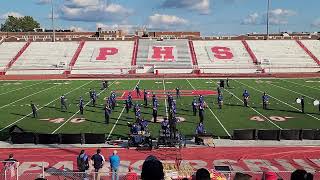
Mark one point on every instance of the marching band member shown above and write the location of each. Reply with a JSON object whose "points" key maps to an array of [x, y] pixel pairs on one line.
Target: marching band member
{"points": [[246, 97], [265, 101]]}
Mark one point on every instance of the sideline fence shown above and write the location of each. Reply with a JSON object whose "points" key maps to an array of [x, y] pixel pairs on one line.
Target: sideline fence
{"points": [[12, 171]]}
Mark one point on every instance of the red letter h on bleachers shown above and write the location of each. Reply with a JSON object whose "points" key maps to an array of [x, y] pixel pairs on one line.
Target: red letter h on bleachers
{"points": [[165, 53]]}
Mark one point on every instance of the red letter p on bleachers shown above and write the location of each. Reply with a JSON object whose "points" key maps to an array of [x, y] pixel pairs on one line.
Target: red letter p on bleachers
{"points": [[104, 52]]}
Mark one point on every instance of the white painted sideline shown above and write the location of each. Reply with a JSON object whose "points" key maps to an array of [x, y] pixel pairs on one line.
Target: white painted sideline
{"points": [[22, 88], [254, 110], [28, 96], [78, 111], [115, 124], [213, 113], [43, 106], [278, 100]]}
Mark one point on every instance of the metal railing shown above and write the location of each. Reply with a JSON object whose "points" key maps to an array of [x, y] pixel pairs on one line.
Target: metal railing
{"points": [[13, 171]]}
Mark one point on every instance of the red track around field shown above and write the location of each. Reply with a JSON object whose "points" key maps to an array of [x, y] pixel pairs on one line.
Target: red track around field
{"points": [[152, 76], [252, 159], [161, 94]]}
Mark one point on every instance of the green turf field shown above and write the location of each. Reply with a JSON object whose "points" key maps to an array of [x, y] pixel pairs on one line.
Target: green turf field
{"points": [[15, 97]]}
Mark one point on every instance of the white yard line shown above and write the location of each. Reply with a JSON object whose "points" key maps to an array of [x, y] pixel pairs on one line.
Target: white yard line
{"points": [[254, 110], [213, 113], [115, 124], [299, 84], [165, 99], [29, 96], [277, 99], [22, 88], [44, 106], [78, 111], [292, 91]]}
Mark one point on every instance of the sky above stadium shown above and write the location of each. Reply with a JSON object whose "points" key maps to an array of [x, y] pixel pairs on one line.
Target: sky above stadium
{"points": [[211, 17]]}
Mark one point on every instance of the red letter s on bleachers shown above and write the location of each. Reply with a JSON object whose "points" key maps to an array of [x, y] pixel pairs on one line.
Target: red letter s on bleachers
{"points": [[222, 52]]}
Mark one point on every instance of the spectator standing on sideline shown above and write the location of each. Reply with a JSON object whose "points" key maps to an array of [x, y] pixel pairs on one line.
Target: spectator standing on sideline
{"points": [[114, 163], [83, 161], [83, 164], [98, 160]]}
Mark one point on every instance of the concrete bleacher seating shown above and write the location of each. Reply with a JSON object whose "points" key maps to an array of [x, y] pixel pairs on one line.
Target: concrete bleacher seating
{"points": [[180, 63], [233, 58], [44, 58], [8, 51], [115, 62], [313, 46], [282, 56]]}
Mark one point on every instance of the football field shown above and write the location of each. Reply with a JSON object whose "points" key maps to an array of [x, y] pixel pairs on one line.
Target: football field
{"points": [[283, 112]]}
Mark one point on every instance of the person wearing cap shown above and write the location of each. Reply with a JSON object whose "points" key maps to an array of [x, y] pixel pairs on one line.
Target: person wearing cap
{"points": [[114, 160]]}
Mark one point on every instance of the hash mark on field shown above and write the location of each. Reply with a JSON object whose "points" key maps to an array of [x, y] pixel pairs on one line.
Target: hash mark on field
{"points": [[42, 107], [212, 113], [115, 124], [277, 99], [77, 112]]}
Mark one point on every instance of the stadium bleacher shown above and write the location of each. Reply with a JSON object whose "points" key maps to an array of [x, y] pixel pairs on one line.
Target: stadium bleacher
{"points": [[44, 58], [169, 56], [282, 56], [225, 56], [106, 57], [313, 46], [8, 51], [164, 56]]}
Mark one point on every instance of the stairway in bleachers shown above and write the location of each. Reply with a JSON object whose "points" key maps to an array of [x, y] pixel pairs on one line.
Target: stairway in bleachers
{"points": [[308, 52], [16, 57], [75, 57]]}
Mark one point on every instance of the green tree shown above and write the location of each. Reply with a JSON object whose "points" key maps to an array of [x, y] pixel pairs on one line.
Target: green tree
{"points": [[19, 24]]}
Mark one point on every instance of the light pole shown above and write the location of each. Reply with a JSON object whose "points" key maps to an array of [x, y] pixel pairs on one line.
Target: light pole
{"points": [[268, 9], [52, 21]]}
